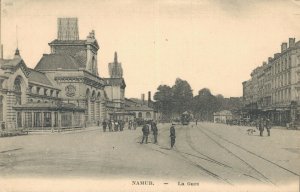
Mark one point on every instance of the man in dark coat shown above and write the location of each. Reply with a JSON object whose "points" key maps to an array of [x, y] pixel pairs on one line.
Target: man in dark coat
{"points": [[110, 126], [104, 124], [172, 135], [261, 126], [145, 131], [155, 131], [268, 126], [116, 126]]}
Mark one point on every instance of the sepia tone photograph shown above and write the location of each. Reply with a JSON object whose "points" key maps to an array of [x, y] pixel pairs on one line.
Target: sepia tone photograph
{"points": [[149, 95]]}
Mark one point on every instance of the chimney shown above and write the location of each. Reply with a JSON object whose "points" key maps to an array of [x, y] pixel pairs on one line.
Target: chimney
{"points": [[283, 46], [67, 29], [149, 98], [291, 42], [143, 99]]}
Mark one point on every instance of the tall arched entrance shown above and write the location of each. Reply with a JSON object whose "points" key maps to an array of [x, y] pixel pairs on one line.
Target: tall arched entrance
{"points": [[18, 99]]}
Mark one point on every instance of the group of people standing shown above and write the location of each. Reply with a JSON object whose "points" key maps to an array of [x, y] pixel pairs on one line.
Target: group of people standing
{"points": [[117, 125], [150, 125], [113, 126], [263, 123]]}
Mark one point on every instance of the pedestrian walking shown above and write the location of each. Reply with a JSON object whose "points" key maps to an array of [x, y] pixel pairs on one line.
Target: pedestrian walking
{"points": [[104, 125], [268, 126], [172, 135], [196, 121], [145, 131], [116, 126], [129, 124], [121, 125], [155, 131], [110, 126], [261, 126], [2, 126]]}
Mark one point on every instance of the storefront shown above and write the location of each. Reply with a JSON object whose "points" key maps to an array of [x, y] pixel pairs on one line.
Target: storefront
{"points": [[48, 116]]}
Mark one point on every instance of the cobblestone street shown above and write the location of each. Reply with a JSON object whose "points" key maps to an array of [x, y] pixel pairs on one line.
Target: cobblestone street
{"points": [[207, 152]]}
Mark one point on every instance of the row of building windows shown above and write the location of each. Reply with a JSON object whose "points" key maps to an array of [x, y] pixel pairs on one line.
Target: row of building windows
{"points": [[281, 96], [282, 65], [282, 80], [43, 91], [47, 119]]}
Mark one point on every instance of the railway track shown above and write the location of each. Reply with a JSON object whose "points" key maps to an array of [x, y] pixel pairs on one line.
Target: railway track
{"points": [[265, 178], [190, 142], [185, 156], [255, 154]]}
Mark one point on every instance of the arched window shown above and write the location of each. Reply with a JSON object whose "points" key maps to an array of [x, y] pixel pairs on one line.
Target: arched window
{"points": [[87, 96], [148, 115], [18, 91], [98, 96], [93, 65], [140, 115]]}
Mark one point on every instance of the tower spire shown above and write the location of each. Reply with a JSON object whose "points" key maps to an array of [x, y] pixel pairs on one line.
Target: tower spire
{"points": [[115, 68], [116, 57]]}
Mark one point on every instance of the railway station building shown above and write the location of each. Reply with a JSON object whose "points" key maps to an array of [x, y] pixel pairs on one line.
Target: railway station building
{"points": [[64, 89]]}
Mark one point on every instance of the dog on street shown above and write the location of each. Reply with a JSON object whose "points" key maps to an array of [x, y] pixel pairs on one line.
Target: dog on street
{"points": [[250, 131]]}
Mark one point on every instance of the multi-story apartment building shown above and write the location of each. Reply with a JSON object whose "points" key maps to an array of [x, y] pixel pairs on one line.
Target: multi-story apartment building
{"points": [[274, 87]]}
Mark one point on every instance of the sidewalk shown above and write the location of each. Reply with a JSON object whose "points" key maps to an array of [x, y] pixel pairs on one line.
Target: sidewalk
{"points": [[67, 131]]}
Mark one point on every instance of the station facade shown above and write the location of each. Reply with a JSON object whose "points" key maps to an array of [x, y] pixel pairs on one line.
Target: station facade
{"points": [[64, 89]]}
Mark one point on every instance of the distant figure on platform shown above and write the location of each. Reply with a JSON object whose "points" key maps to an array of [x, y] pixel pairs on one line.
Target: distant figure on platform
{"points": [[122, 125], [145, 131], [134, 125], [172, 135], [104, 125], [155, 131], [129, 124], [261, 126], [196, 121], [116, 126], [268, 126], [2, 126], [110, 126]]}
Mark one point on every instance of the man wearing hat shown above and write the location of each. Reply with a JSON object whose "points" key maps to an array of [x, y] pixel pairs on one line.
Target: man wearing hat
{"points": [[172, 135], [268, 126], [145, 131]]}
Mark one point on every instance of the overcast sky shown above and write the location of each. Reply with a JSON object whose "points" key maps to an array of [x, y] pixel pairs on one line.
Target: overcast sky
{"points": [[214, 44]]}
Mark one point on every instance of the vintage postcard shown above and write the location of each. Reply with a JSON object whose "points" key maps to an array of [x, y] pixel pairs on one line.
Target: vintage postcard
{"points": [[149, 95]]}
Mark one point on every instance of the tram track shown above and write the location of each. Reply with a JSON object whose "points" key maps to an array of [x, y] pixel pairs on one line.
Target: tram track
{"points": [[190, 142], [267, 180], [250, 152], [201, 156], [184, 155], [199, 166], [207, 158]]}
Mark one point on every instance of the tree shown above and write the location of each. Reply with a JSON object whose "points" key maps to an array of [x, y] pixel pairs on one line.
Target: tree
{"points": [[163, 101], [182, 96], [205, 104]]}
